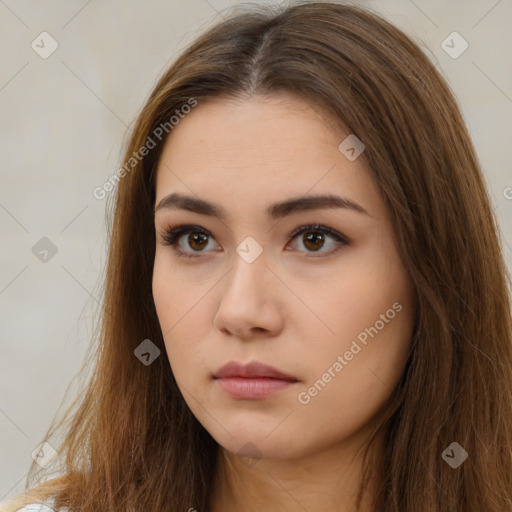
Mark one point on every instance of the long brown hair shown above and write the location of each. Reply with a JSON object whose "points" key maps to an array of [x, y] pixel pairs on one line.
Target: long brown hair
{"points": [[132, 442]]}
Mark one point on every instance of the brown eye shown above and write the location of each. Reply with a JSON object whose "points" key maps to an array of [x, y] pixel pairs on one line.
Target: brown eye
{"points": [[313, 241], [191, 246], [197, 241], [316, 237]]}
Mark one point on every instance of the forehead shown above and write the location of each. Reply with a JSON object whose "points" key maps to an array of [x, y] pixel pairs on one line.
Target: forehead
{"points": [[261, 148], [260, 127]]}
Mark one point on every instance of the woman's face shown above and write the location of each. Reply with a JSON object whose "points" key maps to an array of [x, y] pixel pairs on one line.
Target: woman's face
{"points": [[330, 306]]}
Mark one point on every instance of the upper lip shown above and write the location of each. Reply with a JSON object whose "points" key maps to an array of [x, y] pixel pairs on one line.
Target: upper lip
{"points": [[253, 369]]}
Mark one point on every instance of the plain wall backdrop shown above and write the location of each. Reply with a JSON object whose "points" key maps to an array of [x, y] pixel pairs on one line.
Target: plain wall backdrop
{"points": [[65, 111]]}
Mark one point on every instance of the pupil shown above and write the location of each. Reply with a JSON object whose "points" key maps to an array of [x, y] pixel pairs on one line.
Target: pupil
{"points": [[197, 240], [193, 237], [312, 237]]}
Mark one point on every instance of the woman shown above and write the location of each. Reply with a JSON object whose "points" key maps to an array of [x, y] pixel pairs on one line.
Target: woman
{"points": [[306, 304]]}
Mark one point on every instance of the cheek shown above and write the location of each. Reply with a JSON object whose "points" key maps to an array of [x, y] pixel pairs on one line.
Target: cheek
{"points": [[355, 292], [181, 309], [172, 295], [370, 314], [351, 381]]}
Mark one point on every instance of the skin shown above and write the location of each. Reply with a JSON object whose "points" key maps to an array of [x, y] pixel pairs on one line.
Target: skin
{"points": [[297, 307]]}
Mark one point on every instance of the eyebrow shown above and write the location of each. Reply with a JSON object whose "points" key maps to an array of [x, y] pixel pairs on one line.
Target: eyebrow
{"points": [[278, 210]]}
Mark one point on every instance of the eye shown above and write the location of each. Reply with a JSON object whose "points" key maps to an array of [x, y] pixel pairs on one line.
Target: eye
{"points": [[314, 239], [315, 236], [197, 239]]}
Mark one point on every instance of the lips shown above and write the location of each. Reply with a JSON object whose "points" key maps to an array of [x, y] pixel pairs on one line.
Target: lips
{"points": [[253, 370], [253, 381]]}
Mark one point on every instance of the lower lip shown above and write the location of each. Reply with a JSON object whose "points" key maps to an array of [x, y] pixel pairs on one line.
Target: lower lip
{"points": [[252, 389]]}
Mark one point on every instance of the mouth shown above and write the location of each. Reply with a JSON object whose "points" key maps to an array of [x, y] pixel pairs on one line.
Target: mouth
{"points": [[252, 381]]}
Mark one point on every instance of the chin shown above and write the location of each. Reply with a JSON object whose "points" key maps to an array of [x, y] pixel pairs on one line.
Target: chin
{"points": [[258, 444]]}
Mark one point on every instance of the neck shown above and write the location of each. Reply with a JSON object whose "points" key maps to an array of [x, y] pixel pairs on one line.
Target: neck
{"points": [[326, 480]]}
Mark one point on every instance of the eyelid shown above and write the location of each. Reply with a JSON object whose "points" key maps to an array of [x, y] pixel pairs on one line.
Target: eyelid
{"points": [[172, 234], [321, 228]]}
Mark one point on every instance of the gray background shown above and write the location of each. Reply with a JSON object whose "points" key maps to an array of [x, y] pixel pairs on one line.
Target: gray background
{"points": [[64, 120]]}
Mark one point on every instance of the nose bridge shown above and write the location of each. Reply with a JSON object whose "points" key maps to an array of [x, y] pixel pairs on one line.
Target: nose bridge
{"points": [[247, 290], [249, 269], [246, 303]]}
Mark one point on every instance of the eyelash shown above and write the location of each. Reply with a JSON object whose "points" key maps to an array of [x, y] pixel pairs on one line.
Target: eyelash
{"points": [[172, 235]]}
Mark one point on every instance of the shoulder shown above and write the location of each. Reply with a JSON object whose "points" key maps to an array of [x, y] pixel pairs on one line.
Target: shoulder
{"points": [[36, 507], [40, 507]]}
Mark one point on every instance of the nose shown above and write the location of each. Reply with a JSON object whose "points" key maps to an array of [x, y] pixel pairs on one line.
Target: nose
{"points": [[249, 301]]}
